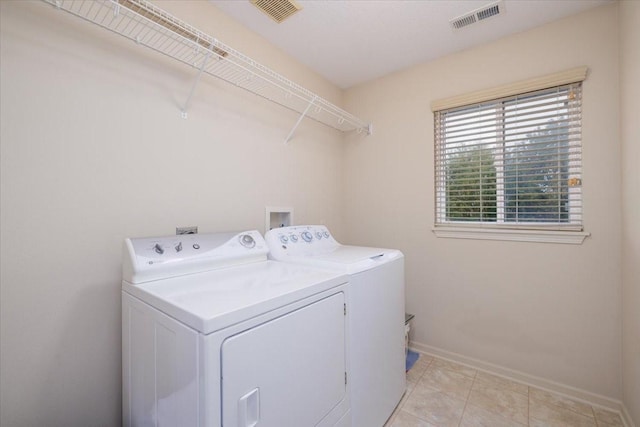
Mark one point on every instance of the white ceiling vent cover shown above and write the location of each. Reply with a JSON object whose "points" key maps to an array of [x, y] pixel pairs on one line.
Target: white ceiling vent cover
{"points": [[488, 11], [278, 10]]}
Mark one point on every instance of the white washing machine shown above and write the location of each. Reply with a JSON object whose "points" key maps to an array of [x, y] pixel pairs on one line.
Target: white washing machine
{"points": [[376, 313], [214, 334]]}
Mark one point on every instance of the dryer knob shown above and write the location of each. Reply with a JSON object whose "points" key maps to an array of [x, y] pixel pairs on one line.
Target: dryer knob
{"points": [[307, 236], [158, 248], [247, 241]]}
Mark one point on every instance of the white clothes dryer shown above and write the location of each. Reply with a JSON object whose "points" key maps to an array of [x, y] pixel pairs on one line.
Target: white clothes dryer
{"points": [[215, 334], [376, 313]]}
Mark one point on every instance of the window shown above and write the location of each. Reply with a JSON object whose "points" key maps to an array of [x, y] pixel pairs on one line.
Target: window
{"points": [[512, 165]]}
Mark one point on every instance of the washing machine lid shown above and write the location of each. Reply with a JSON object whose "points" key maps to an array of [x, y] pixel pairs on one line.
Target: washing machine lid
{"points": [[347, 259], [213, 300], [351, 254]]}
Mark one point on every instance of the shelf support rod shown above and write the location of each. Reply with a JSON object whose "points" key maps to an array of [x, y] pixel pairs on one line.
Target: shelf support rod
{"points": [[369, 129], [195, 83], [304, 113]]}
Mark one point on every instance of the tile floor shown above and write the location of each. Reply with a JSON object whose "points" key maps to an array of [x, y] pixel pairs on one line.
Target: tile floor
{"points": [[441, 394]]}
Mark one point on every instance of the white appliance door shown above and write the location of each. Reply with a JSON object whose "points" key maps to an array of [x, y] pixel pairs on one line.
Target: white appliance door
{"points": [[289, 371]]}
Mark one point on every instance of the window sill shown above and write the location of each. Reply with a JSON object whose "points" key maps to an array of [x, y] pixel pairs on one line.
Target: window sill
{"points": [[537, 236]]}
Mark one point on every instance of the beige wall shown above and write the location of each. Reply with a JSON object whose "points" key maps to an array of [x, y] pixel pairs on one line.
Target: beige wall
{"points": [[630, 112], [93, 149], [550, 311]]}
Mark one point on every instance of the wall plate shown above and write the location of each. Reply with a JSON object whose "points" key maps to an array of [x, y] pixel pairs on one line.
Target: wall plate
{"points": [[187, 230]]}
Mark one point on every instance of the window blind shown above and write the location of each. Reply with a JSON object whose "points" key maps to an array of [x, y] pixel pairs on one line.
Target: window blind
{"points": [[512, 162]]}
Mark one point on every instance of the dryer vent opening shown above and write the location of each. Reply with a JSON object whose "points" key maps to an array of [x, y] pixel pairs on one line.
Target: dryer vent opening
{"points": [[488, 11], [278, 10]]}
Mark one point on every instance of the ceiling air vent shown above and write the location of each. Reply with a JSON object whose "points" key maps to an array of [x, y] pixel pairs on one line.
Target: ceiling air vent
{"points": [[478, 15], [278, 10]]}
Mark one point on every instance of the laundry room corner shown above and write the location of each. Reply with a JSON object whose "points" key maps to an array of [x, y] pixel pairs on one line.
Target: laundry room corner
{"points": [[94, 149]]}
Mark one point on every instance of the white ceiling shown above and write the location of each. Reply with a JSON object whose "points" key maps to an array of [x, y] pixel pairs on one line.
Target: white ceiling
{"points": [[354, 41]]}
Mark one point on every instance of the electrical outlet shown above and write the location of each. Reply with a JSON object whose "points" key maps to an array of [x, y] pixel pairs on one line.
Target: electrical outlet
{"points": [[187, 230]]}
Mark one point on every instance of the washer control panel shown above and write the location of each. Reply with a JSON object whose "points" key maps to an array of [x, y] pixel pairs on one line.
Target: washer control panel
{"points": [[153, 258], [300, 240]]}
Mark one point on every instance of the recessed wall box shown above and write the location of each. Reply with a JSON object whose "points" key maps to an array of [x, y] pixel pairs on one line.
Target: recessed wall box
{"points": [[276, 217]]}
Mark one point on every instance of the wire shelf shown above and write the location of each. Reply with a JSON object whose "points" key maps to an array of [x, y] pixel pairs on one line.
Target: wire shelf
{"points": [[150, 26]]}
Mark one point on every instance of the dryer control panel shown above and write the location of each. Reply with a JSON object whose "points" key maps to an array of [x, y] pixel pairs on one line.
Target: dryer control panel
{"points": [[153, 258], [302, 240]]}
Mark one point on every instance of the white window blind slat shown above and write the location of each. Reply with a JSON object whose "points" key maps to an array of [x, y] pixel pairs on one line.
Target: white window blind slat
{"points": [[513, 162]]}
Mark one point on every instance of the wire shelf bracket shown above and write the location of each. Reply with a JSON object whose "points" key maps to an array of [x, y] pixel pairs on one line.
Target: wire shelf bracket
{"points": [[193, 86], [304, 113], [151, 27]]}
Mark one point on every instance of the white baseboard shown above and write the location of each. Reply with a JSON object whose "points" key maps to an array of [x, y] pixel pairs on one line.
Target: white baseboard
{"points": [[531, 380]]}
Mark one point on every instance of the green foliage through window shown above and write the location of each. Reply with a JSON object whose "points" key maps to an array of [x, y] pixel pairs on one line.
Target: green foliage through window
{"points": [[471, 186]]}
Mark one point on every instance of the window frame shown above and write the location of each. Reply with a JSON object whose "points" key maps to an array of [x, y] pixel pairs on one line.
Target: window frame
{"points": [[531, 231]]}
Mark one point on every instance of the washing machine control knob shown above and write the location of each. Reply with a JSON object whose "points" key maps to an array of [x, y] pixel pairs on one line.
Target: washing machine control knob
{"points": [[318, 235], [293, 238], [284, 239], [179, 247], [247, 241], [326, 234], [158, 248], [307, 236]]}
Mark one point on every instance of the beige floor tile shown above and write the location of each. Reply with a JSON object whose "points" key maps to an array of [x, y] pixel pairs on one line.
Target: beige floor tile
{"points": [[404, 419], [410, 386], [500, 382], [509, 404], [434, 407], [441, 393], [418, 369], [543, 414], [607, 418], [560, 401], [422, 362], [478, 417], [452, 366], [425, 358], [449, 382], [413, 376]]}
